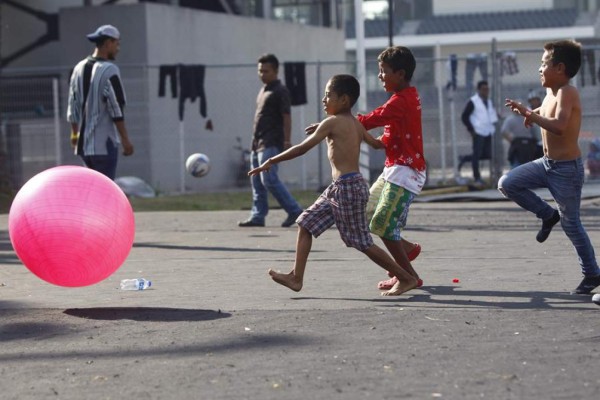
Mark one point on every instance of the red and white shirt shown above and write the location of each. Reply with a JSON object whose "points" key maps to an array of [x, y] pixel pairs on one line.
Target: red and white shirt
{"points": [[402, 136]]}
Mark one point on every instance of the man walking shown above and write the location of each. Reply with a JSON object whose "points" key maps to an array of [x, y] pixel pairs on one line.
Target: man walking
{"points": [[96, 103], [272, 135]]}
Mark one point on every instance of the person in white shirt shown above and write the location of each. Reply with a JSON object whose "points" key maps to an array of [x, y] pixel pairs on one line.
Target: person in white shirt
{"points": [[480, 117]]}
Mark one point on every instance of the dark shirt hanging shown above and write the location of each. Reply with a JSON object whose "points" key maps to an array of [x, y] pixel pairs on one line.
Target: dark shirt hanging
{"points": [[295, 81], [191, 85]]}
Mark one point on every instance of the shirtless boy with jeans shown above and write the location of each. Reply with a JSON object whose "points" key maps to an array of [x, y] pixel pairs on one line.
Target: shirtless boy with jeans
{"points": [[561, 167]]}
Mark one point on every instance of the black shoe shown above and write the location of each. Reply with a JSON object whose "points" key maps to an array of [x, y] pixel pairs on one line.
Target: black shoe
{"points": [[588, 284], [290, 220], [250, 222], [547, 225]]}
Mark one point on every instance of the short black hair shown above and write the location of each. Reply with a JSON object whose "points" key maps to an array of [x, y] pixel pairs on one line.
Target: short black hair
{"points": [[567, 52], [345, 85], [482, 83], [269, 59], [399, 57]]}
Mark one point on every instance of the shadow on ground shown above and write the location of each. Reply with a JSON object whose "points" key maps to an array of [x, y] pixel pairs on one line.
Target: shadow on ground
{"points": [[31, 331], [208, 248], [155, 314], [455, 297]]}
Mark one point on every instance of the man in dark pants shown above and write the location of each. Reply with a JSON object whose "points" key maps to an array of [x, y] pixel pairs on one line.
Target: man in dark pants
{"points": [[479, 117], [272, 135]]}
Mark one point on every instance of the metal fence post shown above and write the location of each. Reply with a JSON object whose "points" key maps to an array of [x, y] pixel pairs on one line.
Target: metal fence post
{"points": [[320, 116], [440, 93], [496, 162]]}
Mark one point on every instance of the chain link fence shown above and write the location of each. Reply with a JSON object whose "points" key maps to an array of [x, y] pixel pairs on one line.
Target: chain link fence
{"points": [[34, 132]]}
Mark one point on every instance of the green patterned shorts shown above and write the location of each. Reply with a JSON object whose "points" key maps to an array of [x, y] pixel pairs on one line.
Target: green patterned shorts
{"points": [[388, 209]]}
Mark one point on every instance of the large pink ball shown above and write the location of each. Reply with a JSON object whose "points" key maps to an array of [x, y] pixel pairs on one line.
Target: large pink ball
{"points": [[71, 226]]}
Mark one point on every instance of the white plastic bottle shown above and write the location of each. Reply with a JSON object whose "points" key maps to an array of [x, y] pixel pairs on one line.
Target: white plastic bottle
{"points": [[135, 284]]}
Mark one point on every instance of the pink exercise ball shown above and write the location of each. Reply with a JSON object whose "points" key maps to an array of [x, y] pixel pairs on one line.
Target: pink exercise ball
{"points": [[71, 226]]}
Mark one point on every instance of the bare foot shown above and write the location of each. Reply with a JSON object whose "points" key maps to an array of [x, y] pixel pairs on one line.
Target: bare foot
{"points": [[288, 280], [400, 287]]}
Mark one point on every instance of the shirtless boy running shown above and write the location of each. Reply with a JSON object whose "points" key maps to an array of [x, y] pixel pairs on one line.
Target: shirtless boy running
{"points": [[344, 201], [561, 168]]}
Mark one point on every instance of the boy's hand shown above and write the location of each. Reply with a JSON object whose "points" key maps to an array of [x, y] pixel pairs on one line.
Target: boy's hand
{"points": [[520, 109], [516, 107], [264, 167], [309, 130]]}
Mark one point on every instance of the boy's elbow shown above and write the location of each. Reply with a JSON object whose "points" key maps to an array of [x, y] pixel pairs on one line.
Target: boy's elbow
{"points": [[559, 129]]}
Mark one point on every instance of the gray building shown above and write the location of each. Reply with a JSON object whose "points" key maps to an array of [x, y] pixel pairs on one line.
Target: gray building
{"points": [[41, 43]]}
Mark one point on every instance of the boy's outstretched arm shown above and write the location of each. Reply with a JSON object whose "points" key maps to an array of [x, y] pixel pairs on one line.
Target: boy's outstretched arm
{"points": [[320, 133], [566, 98], [311, 128]]}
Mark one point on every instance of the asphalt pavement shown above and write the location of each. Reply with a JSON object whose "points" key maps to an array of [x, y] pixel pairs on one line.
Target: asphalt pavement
{"points": [[495, 318]]}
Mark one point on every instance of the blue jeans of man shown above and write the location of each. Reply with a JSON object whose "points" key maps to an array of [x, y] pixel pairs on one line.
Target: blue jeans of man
{"points": [[268, 181], [105, 164], [564, 180]]}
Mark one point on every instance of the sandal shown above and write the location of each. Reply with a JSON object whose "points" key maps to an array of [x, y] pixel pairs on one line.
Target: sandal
{"points": [[414, 253]]}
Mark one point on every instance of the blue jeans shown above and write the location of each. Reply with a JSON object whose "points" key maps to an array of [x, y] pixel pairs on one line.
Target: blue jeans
{"points": [[564, 180], [266, 182], [105, 164]]}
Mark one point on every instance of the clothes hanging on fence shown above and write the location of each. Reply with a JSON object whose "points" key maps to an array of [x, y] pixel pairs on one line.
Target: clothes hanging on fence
{"points": [[452, 68], [295, 81], [191, 84], [475, 61], [508, 63], [167, 71]]}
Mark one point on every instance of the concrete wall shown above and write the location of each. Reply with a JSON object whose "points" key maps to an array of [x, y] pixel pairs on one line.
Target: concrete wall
{"points": [[154, 35]]}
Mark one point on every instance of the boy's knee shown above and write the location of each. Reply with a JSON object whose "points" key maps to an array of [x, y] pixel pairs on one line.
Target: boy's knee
{"points": [[504, 185], [362, 244]]}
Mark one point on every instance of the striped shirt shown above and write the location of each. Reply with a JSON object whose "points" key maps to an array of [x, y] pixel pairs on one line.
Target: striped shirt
{"points": [[96, 101]]}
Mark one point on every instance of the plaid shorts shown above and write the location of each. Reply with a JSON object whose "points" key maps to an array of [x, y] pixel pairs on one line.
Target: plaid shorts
{"points": [[391, 211], [343, 203]]}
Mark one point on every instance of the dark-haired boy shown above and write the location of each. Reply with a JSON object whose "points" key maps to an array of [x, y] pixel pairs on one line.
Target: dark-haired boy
{"points": [[561, 167], [404, 172], [344, 201]]}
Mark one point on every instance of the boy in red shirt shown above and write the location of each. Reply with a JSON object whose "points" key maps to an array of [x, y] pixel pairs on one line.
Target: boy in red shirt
{"points": [[404, 172]]}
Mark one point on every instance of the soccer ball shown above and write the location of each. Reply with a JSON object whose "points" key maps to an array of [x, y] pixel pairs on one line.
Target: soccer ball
{"points": [[197, 165]]}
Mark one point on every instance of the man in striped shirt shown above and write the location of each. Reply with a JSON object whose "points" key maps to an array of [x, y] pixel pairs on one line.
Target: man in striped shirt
{"points": [[96, 104]]}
